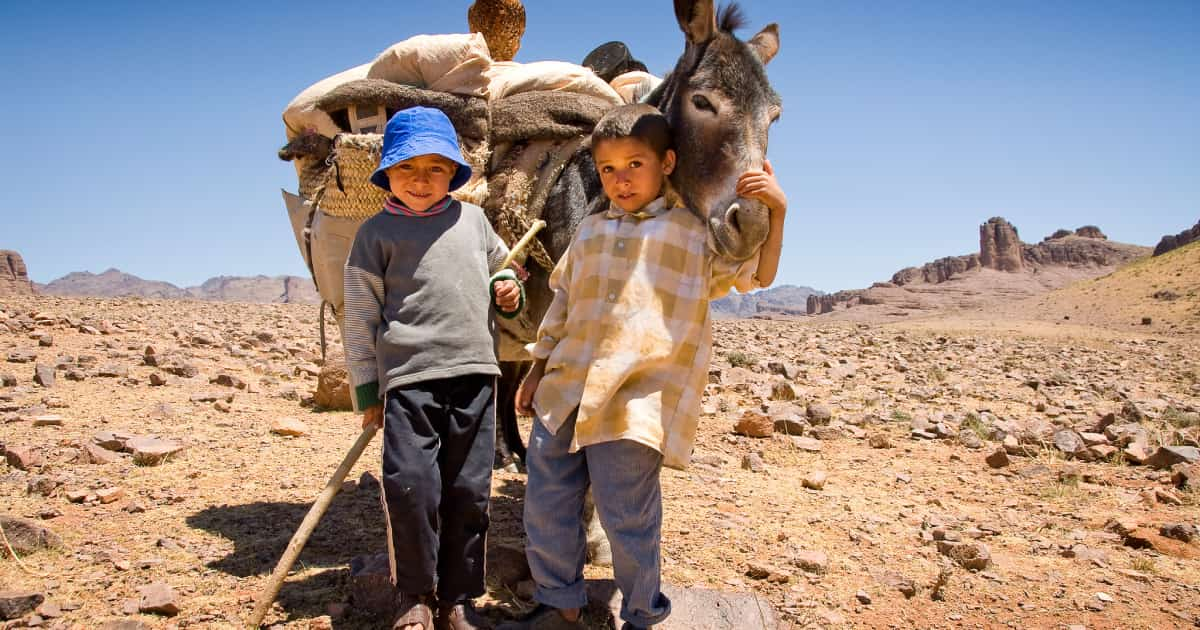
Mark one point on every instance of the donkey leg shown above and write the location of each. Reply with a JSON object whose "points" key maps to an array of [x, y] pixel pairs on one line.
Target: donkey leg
{"points": [[509, 446], [598, 548]]}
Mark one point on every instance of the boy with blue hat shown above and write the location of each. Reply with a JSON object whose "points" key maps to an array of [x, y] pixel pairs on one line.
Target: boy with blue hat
{"points": [[420, 348]]}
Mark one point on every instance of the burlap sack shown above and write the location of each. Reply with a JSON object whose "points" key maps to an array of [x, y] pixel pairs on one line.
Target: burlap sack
{"points": [[443, 63], [634, 86], [509, 77]]}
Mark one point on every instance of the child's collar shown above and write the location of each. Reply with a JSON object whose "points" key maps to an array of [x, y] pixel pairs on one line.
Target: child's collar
{"points": [[652, 209], [392, 205]]}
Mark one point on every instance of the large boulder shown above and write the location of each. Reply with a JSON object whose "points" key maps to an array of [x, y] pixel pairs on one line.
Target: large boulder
{"points": [[333, 384]]}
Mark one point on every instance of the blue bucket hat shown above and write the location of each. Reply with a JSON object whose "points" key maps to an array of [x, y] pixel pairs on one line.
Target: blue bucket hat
{"points": [[420, 131]]}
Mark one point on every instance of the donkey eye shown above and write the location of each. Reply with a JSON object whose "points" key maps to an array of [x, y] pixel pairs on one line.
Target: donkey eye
{"points": [[702, 103]]}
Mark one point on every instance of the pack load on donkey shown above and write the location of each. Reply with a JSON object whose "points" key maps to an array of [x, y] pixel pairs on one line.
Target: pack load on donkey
{"points": [[517, 124]]}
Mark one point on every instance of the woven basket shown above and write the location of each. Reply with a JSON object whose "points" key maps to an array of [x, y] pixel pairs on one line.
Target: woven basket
{"points": [[354, 158]]}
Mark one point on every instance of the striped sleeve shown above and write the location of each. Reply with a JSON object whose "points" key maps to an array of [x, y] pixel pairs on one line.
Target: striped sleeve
{"points": [[363, 294]]}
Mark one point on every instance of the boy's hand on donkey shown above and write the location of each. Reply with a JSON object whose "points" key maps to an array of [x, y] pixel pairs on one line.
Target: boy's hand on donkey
{"points": [[762, 186], [372, 416], [508, 295]]}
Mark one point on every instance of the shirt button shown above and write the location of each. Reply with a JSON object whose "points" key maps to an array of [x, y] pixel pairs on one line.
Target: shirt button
{"points": [[621, 245], [612, 296]]}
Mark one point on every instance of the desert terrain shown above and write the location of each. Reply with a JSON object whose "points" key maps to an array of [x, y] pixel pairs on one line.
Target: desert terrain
{"points": [[1020, 466]]}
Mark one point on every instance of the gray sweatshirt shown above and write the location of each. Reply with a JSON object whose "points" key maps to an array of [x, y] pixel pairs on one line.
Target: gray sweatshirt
{"points": [[417, 300]]}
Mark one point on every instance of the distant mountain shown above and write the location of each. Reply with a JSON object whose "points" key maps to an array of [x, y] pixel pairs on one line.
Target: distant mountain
{"points": [[111, 283], [255, 289], [787, 299]]}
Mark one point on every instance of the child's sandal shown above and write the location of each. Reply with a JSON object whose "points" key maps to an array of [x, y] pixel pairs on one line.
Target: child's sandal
{"points": [[413, 610]]}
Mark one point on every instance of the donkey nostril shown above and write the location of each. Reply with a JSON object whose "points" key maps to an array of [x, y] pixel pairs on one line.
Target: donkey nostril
{"points": [[731, 217]]}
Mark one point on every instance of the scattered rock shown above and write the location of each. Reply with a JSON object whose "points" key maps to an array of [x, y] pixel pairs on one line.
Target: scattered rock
{"points": [[972, 556], [1167, 456], [289, 426], [17, 604], [148, 451], [753, 462], [819, 413], [23, 457], [815, 480], [998, 458], [810, 561], [880, 440], [1184, 532], [806, 444], [158, 599], [333, 385], [1143, 538], [754, 425], [43, 375], [27, 536]]}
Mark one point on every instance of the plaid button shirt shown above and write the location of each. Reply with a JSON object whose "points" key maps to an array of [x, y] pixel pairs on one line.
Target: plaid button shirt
{"points": [[628, 337]]}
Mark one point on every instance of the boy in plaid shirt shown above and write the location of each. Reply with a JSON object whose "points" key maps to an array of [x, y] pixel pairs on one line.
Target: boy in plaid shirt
{"points": [[620, 364]]}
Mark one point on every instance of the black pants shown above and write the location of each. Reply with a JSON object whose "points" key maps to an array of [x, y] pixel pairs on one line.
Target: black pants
{"points": [[439, 441]]}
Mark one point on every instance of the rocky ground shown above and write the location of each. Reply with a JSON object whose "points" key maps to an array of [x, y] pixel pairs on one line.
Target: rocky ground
{"points": [[965, 473]]}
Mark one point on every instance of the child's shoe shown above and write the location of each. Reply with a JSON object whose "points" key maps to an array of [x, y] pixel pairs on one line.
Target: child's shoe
{"points": [[460, 616], [543, 618], [413, 610]]}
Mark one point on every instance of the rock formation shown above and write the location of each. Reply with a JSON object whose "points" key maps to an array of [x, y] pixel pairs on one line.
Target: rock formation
{"points": [[1000, 249], [999, 246], [14, 278], [1175, 241]]}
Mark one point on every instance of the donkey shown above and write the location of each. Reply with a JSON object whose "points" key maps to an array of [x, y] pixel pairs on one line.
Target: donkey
{"points": [[720, 106]]}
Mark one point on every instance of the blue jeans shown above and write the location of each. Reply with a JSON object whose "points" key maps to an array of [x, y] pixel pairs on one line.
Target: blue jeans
{"points": [[623, 476]]}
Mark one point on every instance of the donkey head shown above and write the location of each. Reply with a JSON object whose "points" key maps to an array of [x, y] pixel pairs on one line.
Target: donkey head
{"points": [[720, 106]]}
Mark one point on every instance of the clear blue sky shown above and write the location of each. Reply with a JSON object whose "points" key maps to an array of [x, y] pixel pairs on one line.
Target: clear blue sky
{"points": [[142, 135]]}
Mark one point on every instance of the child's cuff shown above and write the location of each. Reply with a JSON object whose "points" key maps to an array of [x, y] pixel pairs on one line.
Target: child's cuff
{"points": [[366, 396], [507, 274]]}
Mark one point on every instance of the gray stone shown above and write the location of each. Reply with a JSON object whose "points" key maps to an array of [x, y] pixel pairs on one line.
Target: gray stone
{"points": [[26, 536], [692, 608], [43, 375], [1068, 441], [1167, 456], [819, 413], [806, 444], [1180, 531], [17, 604], [753, 462]]}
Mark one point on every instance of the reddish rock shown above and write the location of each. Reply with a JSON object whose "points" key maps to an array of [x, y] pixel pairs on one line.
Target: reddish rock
{"points": [[14, 277], [1142, 538], [1175, 241], [333, 385], [754, 425], [23, 457], [95, 454], [998, 458], [159, 599]]}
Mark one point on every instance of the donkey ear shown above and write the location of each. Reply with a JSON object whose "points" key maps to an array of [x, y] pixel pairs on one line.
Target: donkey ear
{"points": [[766, 43], [697, 19]]}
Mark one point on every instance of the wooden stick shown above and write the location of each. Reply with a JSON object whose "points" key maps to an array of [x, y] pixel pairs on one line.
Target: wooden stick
{"points": [[523, 243], [306, 528]]}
